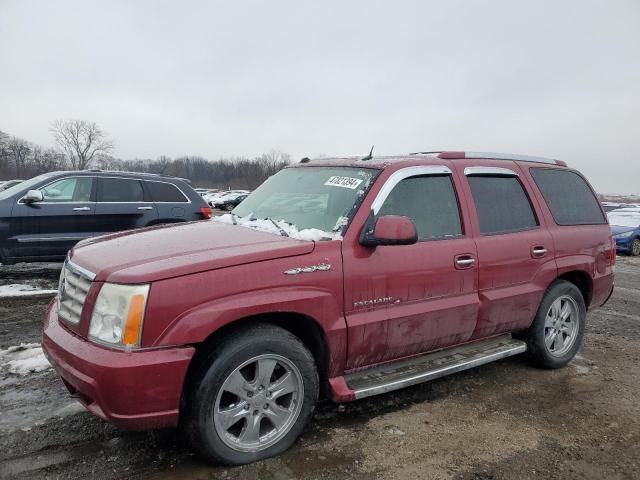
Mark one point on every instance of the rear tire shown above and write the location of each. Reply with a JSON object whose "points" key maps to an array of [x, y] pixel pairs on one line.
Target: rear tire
{"points": [[635, 248], [555, 336], [251, 396]]}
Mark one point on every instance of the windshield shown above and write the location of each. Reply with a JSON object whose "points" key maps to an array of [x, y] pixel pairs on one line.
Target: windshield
{"points": [[23, 186], [631, 220], [319, 199]]}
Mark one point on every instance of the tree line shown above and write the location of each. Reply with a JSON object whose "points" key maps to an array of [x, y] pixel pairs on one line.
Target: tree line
{"points": [[82, 145]]}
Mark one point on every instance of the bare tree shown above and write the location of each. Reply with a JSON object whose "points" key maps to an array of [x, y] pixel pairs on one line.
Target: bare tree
{"points": [[81, 141], [18, 150], [46, 160]]}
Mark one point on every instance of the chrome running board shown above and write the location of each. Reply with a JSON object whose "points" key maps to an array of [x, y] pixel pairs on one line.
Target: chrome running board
{"points": [[396, 375]]}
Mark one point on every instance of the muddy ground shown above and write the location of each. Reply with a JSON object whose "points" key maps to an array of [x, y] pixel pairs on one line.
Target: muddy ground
{"points": [[501, 421]]}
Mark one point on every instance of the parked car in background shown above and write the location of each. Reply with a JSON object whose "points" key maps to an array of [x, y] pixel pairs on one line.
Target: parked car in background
{"points": [[230, 202], [42, 218], [625, 227], [395, 271], [223, 198], [9, 184]]}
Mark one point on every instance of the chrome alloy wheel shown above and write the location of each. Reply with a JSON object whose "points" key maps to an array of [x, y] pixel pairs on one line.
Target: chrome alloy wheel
{"points": [[561, 325], [258, 403]]}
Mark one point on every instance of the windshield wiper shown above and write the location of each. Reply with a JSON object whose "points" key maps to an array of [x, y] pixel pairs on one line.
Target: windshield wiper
{"points": [[282, 231]]}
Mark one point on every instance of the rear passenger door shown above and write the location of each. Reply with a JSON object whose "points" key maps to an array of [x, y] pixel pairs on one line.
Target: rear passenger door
{"points": [[171, 204], [123, 205], [515, 251]]}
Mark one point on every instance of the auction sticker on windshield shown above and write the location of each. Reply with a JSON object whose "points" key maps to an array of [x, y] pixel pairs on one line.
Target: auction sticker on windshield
{"points": [[345, 182]]}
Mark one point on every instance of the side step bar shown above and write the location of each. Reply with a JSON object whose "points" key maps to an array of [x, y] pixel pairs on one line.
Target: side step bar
{"points": [[396, 375]]}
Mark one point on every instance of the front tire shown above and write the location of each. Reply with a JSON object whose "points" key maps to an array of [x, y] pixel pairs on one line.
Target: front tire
{"points": [[555, 336], [635, 247], [251, 396]]}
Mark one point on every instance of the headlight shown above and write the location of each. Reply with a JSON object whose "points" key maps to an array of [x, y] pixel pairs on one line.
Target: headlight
{"points": [[118, 315], [624, 235]]}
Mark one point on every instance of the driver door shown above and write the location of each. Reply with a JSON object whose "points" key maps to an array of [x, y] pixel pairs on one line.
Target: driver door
{"points": [[66, 215], [403, 300]]}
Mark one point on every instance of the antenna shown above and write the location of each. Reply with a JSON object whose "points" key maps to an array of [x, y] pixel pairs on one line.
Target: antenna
{"points": [[370, 156]]}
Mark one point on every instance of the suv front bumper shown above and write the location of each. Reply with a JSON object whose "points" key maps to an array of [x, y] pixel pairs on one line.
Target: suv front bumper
{"points": [[133, 390]]}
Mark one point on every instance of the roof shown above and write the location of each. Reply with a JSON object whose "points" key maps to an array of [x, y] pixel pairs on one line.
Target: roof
{"points": [[383, 161], [119, 173]]}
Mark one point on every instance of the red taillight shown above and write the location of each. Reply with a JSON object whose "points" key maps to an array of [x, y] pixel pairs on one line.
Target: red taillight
{"points": [[206, 212], [613, 251]]}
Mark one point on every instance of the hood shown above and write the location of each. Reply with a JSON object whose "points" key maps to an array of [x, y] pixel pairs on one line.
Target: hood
{"points": [[156, 253], [617, 229]]}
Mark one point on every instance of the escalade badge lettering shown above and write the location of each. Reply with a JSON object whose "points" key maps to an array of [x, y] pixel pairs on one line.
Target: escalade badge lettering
{"points": [[322, 267], [376, 301]]}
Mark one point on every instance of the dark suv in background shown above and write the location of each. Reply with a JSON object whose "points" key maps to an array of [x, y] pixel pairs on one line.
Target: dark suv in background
{"points": [[42, 218]]}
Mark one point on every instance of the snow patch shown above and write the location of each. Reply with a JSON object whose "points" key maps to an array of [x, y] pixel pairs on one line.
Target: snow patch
{"points": [[24, 359], [263, 225], [23, 290]]}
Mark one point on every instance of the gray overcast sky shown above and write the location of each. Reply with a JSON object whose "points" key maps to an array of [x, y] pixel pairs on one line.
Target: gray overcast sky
{"points": [[554, 78]]}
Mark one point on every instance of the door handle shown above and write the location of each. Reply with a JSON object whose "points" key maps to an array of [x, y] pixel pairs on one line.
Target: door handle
{"points": [[81, 209], [464, 261], [145, 208], [538, 251]]}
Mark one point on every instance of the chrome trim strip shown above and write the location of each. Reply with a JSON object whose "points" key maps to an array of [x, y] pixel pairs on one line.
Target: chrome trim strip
{"points": [[440, 372], [400, 175], [80, 270], [489, 171], [45, 239]]}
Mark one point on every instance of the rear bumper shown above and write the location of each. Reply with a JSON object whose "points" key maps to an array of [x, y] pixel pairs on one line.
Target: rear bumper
{"points": [[133, 390]]}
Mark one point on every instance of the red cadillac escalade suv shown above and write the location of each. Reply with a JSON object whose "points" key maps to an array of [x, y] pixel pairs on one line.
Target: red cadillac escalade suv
{"points": [[342, 278]]}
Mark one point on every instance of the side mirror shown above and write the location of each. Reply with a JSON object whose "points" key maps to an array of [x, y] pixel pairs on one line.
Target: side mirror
{"points": [[389, 230], [33, 196]]}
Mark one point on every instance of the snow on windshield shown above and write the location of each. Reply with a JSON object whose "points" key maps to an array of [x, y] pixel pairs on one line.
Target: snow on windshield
{"points": [[624, 219], [265, 225]]}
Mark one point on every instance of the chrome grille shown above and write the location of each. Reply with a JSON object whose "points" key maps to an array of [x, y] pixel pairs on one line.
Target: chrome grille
{"points": [[72, 291]]}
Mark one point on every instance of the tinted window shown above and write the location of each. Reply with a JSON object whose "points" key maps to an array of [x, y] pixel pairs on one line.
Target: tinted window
{"points": [[76, 189], [121, 190], [502, 204], [165, 192], [430, 202], [568, 196]]}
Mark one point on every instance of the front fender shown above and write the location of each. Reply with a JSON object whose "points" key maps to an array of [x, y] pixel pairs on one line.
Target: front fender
{"points": [[198, 323]]}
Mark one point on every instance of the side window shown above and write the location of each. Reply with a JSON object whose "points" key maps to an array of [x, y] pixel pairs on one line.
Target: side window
{"points": [[75, 189], [165, 192], [502, 204], [120, 190], [430, 201], [568, 196]]}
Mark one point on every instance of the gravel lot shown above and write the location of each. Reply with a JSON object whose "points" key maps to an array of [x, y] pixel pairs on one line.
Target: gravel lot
{"points": [[500, 421]]}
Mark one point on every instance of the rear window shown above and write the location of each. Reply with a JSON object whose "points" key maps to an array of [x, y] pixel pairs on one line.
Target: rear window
{"points": [[120, 190], [165, 192], [502, 204], [569, 197]]}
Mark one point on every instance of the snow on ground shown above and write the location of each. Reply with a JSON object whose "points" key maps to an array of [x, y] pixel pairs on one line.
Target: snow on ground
{"points": [[24, 359], [23, 290], [310, 234]]}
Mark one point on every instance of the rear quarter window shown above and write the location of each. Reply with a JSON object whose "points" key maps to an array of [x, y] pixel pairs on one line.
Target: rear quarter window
{"points": [[569, 197], [165, 192]]}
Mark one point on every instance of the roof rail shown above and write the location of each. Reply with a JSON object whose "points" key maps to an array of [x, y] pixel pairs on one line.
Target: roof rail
{"points": [[451, 155]]}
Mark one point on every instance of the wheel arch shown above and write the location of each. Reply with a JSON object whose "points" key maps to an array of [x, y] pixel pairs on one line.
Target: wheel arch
{"points": [[305, 328], [583, 281]]}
